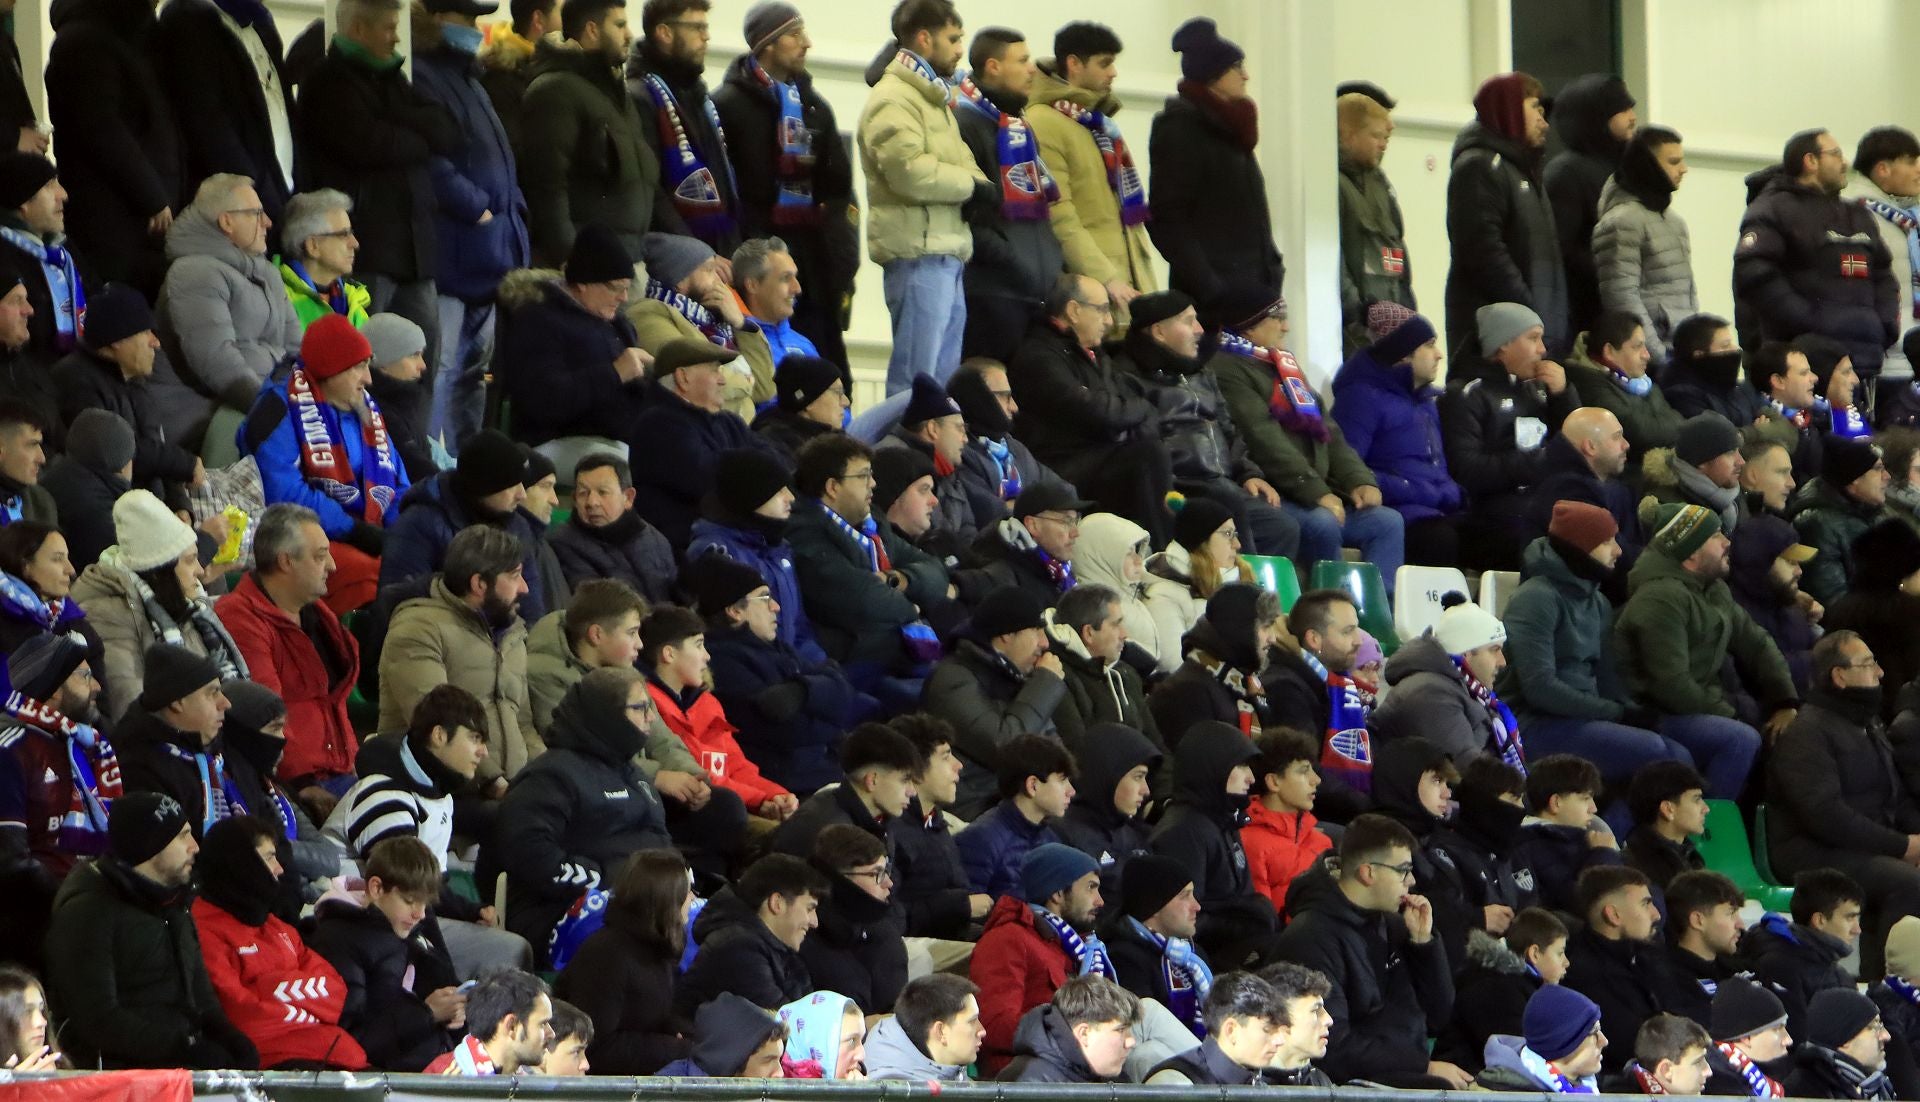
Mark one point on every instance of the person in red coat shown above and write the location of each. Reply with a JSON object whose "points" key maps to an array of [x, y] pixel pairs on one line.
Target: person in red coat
{"points": [[1036, 942], [1282, 838], [295, 645], [284, 996]]}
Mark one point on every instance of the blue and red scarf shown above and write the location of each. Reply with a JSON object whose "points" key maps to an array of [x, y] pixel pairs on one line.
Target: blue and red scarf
{"points": [[63, 283], [1506, 736], [1759, 1083], [793, 203], [1347, 749], [715, 330], [1009, 471], [695, 187], [1292, 403], [1122, 176], [1027, 189], [1800, 419], [1088, 953], [218, 794], [1904, 221], [96, 773], [323, 453], [922, 646], [18, 600]]}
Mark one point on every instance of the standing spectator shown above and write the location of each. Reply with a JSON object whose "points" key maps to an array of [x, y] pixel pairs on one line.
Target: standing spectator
{"points": [[1642, 253], [1764, 570], [16, 109], [223, 71], [1388, 408], [1209, 197], [607, 538], [919, 176], [792, 169], [998, 684], [1704, 372], [480, 221], [1201, 830], [582, 155], [1104, 208], [318, 252], [1888, 163], [1610, 367], [622, 976], [1836, 509], [364, 129], [1373, 235], [119, 139], [680, 123], [1810, 262], [33, 241], [110, 369], [1500, 225], [224, 317], [506, 58], [1594, 119]]}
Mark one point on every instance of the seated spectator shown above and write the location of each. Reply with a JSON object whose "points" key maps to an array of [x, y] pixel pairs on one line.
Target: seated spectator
{"points": [[1442, 688], [1585, 462], [858, 950], [32, 1047], [295, 646], [1387, 406], [1494, 427], [1201, 830], [223, 311], [1282, 838], [1847, 1050], [1087, 632], [1083, 1034], [1563, 837], [905, 499], [1413, 786], [1669, 805], [145, 589], [1703, 374], [541, 483], [1615, 960], [467, 631], [927, 872], [1303, 1031], [570, 1034], [582, 808], [1558, 1051], [1891, 992], [253, 739], [746, 519], [1035, 775], [284, 996], [1225, 655], [320, 442], [122, 966], [1388, 975], [1899, 450], [767, 280], [826, 1036], [1701, 468], [1031, 550], [933, 1035], [1879, 603], [33, 207], [789, 713], [1239, 1037], [1149, 938], [809, 400], [1163, 355], [1608, 368], [399, 365], [1834, 510], [879, 766], [998, 684], [386, 945], [1479, 841], [674, 654], [1112, 554], [684, 418], [1750, 1033], [733, 1039], [1764, 567], [574, 365], [83, 483], [750, 940], [36, 583], [1105, 819], [1702, 918], [507, 1028], [165, 737], [623, 975], [607, 538], [1670, 1056], [1788, 389], [1203, 555], [1801, 958], [599, 627], [931, 426], [320, 248], [1320, 481], [1035, 939], [1834, 384], [996, 466], [23, 429], [687, 298], [1835, 799], [110, 368], [486, 487], [1500, 977]]}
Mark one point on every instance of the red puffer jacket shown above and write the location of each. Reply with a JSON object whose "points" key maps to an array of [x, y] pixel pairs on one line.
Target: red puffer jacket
{"points": [[703, 726], [281, 656], [1280, 845], [284, 996], [1018, 965]]}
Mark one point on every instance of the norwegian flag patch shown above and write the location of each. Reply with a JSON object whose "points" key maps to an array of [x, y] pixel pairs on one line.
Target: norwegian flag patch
{"points": [[1853, 265], [1393, 261]]}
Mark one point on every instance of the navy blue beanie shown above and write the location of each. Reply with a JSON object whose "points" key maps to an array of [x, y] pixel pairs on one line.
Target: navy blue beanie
{"points": [[1052, 868], [1557, 1020]]}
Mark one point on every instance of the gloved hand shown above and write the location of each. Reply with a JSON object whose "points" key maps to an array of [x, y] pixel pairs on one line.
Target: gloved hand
{"points": [[366, 538], [985, 193]]}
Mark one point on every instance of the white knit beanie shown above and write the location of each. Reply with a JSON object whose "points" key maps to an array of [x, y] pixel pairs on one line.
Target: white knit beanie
{"points": [[1466, 626], [147, 532]]}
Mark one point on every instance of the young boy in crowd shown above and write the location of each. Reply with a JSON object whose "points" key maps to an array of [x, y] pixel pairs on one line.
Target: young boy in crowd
{"points": [[1282, 838], [1082, 1036], [1563, 837], [1036, 785], [1304, 1025], [1558, 1050], [1479, 841], [732, 1039], [1501, 975], [1669, 805], [572, 1035], [1702, 919], [1801, 958], [1669, 1057], [1240, 1037]]}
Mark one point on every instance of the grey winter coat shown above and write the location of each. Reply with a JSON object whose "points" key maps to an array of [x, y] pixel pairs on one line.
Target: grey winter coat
{"points": [[1644, 259], [225, 323], [1429, 698], [1895, 238]]}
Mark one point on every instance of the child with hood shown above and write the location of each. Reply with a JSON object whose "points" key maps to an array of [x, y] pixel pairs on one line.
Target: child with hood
{"points": [[733, 1039], [1105, 820], [1212, 776], [826, 1037]]}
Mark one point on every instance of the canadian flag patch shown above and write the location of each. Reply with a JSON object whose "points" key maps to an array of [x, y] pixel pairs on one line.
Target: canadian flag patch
{"points": [[1853, 265]]}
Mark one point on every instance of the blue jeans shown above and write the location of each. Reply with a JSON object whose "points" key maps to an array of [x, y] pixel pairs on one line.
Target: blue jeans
{"points": [[1721, 749], [1379, 533], [929, 318], [459, 378]]}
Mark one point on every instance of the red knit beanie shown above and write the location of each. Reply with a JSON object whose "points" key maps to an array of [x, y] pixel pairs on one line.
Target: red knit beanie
{"points": [[1582, 525], [1501, 104], [333, 345]]}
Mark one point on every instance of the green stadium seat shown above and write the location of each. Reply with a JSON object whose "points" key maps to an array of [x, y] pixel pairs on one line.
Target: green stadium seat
{"points": [[1362, 581], [1725, 847], [1276, 575]]}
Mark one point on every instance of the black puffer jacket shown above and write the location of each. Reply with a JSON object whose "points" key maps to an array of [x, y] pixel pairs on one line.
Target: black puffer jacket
{"points": [[1092, 824], [1625, 979], [928, 877], [1575, 178], [1833, 788], [623, 980], [1397, 769], [1199, 435], [738, 954], [1505, 248], [1478, 419], [1209, 198], [1201, 830], [1046, 1051], [858, 949], [629, 549], [1712, 383], [388, 978], [1810, 262]]}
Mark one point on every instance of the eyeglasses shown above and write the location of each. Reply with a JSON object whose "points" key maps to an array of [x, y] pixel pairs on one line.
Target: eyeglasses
{"points": [[640, 709], [1863, 664], [1102, 307], [759, 597], [1404, 872], [1070, 521], [858, 476], [333, 233], [250, 212], [880, 875], [702, 29]]}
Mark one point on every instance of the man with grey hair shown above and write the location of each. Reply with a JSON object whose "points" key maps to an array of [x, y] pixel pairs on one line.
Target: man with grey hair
{"points": [[362, 127], [768, 279], [296, 646], [318, 251]]}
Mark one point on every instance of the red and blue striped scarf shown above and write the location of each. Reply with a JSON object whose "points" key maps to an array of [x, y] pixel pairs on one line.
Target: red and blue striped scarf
{"points": [[323, 453], [1027, 189], [695, 185], [1292, 403], [793, 203], [1122, 176]]}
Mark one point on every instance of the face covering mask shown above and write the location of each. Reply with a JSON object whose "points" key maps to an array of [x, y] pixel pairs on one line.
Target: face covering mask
{"points": [[465, 39]]}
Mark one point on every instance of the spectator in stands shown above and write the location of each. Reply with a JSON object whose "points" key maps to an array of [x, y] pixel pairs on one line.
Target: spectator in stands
{"points": [[485, 489], [166, 735], [607, 538], [1563, 837], [227, 84], [56, 812], [1888, 993], [1594, 119], [1281, 837], [399, 363], [84, 483], [687, 296], [1750, 1033], [36, 579], [1587, 461], [1701, 468], [224, 317], [810, 399], [1000, 682], [858, 948], [1202, 155], [622, 977], [746, 519], [1032, 550], [1036, 938], [750, 942], [1787, 386], [1104, 819], [1442, 688], [933, 1034], [32, 218], [928, 872], [1704, 372], [920, 175], [1035, 774], [1309, 686], [1764, 569], [599, 627], [541, 485], [932, 427], [1150, 938], [1373, 235], [508, 1016], [282, 995], [684, 416], [576, 368], [1559, 1051], [1499, 978], [1479, 839], [789, 713], [1788, 278], [679, 123], [1670, 1056], [1244, 1031], [1084, 1034], [570, 1034], [1883, 594], [1835, 383], [1767, 478], [1494, 427], [1201, 829], [1900, 446], [1835, 510], [1669, 805], [674, 653], [1225, 652], [1610, 367], [1680, 581], [506, 60], [903, 493], [1642, 253], [481, 226], [1847, 1051], [1798, 959], [253, 737], [321, 443], [735, 1040], [1887, 162], [879, 766], [1702, 913], [1112, 554], [1088, 633], [1413, 783], [766, 278], [996, 465], [34, 1040], [1614, 960], [320, 249]]}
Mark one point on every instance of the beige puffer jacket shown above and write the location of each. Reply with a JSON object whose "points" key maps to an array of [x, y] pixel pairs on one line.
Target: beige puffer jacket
{"points": [[919, 170], [1087, 217]]}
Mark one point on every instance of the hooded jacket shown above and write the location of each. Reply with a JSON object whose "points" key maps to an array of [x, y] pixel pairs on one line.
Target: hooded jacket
{"points": [[726, 1034], [624, 980], [388, 979], [918, 167], [583, 158], [1809, 262], [1099, 693], [1558, 647], [1092, 824], [1429, 697], [1194, 693], [1797, 962], [1205, 448], [1576, 178], [80, 499], [430, 514], [858, 950], [891, 1054], [1046, 1051], [989, 702], [1500, 224], [1201, 830], [1154, 623], [1496, 983], [1394, 428], [1397, 771], [282, 655], [738, 955], [1087, 217], [1209, 197], [1675, 632], [1018, 964], [1479, 420], [1479, 841], [1642, 252]]}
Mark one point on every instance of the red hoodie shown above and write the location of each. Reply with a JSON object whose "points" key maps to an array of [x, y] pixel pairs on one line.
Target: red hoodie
{"points": [[1280, 845], [709, 738], [284, 996]]}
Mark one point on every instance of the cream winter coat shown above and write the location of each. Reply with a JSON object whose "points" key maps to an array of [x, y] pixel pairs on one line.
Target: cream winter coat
{"points": [[918, 167]]}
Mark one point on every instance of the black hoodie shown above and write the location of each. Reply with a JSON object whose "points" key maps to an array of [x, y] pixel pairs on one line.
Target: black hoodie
{"points": [[1397, 769], [1092, 824], [739, 955], [1577, 174], [1201, 830], [858, 949], [726, 1034]]}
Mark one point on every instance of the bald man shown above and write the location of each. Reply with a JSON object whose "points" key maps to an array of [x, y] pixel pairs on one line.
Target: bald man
{"points": [[1584, 462]]}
